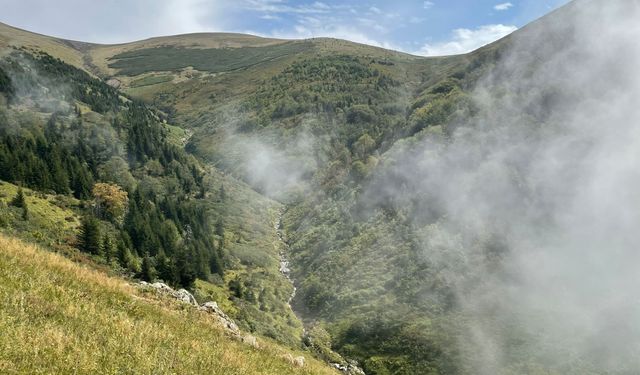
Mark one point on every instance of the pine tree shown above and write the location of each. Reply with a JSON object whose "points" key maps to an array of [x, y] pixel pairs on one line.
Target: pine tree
{"points": [[166, 269], [107, 248], [148, 272], [18, 200], [124, 256], [89, 240], [184, 268]]}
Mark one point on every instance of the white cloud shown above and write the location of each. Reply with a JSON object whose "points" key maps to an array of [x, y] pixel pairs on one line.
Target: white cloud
{"points": [[503, 6], [428, 4], [116, 21], [466, 40]]}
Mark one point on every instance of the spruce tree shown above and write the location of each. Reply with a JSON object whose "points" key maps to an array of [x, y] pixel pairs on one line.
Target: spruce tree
{"points": [[18, 200], [148, 272], [107, 248], [89, 239], [124, 255]]}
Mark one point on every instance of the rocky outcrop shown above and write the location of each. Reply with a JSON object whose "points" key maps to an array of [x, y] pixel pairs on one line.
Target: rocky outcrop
{"points": [[114, 82], [296, 361], [212, 308], [350, 368], [181, 294], [231, 327], [228, 323], [186, 297], [251, 340]]}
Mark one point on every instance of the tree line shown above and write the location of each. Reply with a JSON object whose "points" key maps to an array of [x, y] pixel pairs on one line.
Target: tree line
{"points": [[143, 197]]}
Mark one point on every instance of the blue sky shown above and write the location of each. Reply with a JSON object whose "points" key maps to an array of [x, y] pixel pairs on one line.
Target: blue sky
{"points": [[434, 27]]}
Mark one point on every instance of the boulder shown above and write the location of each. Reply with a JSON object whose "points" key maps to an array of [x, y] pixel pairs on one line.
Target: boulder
{"points": [[181, 294], [295, 361], [228, 323], [298, 361], [162, 287], [251, 340], [186, 297]]}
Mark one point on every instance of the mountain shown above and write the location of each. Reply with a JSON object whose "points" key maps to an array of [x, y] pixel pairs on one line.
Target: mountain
{"points": [[439, 215], [61, 317]]}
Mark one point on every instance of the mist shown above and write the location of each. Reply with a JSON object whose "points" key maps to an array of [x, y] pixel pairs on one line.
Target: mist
{"points": [[537, 197], [530, 208]]}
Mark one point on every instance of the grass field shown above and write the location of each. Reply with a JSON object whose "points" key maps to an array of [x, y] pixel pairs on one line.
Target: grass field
{"points": [[57, 317], [51, 220], [213, 60]]}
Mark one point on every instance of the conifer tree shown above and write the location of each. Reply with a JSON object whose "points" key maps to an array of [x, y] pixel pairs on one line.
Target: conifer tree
{"points": [[18, 200], [89, 239], [107, 248], [148, 271]]}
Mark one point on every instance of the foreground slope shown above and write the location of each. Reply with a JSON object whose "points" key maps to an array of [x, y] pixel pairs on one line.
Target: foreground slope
{"points": [[59, 317]]}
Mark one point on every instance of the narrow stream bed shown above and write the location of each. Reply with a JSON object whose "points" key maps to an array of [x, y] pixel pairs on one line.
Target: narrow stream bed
{"points": [[284, 262]]}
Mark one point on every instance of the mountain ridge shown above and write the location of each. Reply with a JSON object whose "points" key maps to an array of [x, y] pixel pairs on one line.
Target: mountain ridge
{"points": [[412, 193]]}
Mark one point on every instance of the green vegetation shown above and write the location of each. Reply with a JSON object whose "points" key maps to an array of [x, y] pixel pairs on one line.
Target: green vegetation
{"points": [[51, 218], [148, 208], [358, 267], [57, 317], [212, 60], [364, 259], [165, 217], [151, 80]]}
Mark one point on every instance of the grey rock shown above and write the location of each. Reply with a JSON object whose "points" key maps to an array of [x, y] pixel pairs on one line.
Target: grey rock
{"points": [[228, 323], [186, 297], [251, 340]]}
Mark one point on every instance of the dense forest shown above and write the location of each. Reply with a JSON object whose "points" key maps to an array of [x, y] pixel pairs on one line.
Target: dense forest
{"points": [[143, 196]]}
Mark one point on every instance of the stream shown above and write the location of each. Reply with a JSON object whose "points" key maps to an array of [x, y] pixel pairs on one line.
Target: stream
{"points": [[284, 262]]}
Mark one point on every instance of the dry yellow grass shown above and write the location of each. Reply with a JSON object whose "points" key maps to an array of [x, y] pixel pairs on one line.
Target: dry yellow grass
{"points": [[11, 36], [57, 317]]}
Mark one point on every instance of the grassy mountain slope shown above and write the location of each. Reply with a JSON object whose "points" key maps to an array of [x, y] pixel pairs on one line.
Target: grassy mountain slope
{"points": [[65, 50], [353, 102], [62, 131], [369, 273], [323, 126], [59, 317]]}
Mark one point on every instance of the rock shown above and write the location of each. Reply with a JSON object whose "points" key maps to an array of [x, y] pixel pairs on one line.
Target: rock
{"points": [[251, 340], [113, 82], [340, 367], [351, 368], [162, 287], [181, 295], [297, 361], [213, 309], [186, 297]]}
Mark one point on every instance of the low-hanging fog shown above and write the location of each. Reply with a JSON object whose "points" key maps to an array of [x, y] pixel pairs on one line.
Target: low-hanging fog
{"points": [[544, 182], [532, 204]]}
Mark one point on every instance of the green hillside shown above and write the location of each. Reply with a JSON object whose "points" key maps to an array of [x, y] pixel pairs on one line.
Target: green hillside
{"points": [[117, 169], [59, 317], [400, 189]]}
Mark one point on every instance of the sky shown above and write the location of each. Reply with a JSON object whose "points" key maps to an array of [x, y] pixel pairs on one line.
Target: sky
{"points": [[429, 28]]}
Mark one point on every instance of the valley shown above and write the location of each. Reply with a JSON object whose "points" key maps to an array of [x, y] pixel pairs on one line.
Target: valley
{"points": [[367, 209]]}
